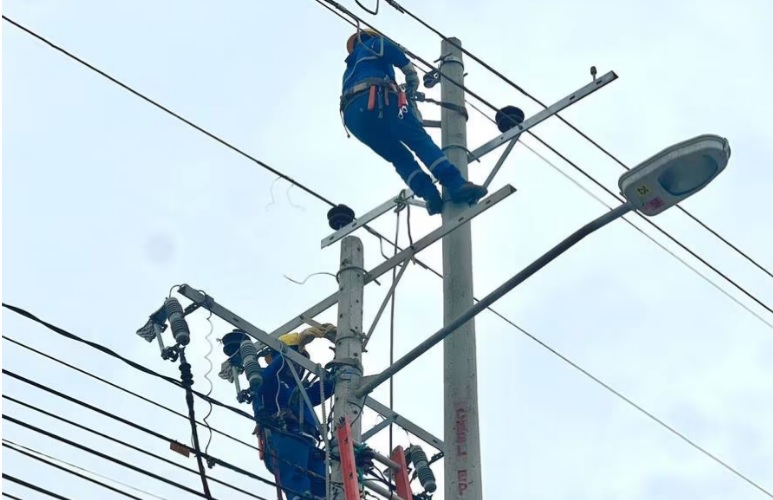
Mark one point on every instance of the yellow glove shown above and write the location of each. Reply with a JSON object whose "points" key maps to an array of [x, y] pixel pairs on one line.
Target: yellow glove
{"points": [[327, 330]]}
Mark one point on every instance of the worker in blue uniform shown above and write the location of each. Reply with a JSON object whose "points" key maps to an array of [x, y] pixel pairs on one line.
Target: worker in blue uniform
{"points": [[372, 112], [290, 447]]}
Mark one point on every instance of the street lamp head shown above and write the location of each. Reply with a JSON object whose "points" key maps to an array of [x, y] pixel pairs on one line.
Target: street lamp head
{"points": [[674, 174]]}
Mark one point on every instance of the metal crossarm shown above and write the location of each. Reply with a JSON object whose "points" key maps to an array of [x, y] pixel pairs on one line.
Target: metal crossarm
{"points": [[542, 116], [402, 256]]}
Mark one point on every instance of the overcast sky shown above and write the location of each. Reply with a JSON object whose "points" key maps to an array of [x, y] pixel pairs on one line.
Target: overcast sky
{"points": [[108, 202]]}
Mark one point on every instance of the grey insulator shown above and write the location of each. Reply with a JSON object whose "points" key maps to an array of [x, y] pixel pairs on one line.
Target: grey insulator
{"points": [[174, 312], [250, 363], [421, 464]]}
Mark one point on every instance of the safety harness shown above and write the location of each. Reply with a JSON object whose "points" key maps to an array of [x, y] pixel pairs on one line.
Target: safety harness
{"points": [[379, 90]]}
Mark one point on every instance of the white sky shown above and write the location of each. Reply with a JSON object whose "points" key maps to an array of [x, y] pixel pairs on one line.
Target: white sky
{"points": [[108, 202]]}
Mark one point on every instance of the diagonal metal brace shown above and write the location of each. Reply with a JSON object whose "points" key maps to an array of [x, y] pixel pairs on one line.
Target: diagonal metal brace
{"points": [[402, 256]]}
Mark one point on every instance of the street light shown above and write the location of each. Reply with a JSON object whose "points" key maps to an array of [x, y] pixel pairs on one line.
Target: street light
{"points": [[674, 174], [651, 187]]}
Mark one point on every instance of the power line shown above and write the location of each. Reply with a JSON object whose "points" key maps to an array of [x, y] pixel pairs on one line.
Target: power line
{"points": [[563, 157], [122, 85], [36, 455], [105, 350], [34, 487], [99, 454], [186, 377], [124, 443], [637, 228], [477, 59], [124, 390], [12, 497], [129, 362], [561, 356], [292, 181], [144, 429]]}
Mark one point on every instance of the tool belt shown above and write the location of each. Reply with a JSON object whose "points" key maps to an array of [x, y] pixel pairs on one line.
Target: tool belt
{"points": [[379, 89]]}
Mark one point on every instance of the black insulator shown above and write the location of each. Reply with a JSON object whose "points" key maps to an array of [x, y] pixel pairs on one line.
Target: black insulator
{"points": [[174, 312], [231, 343], [339, 216], [508, 117], [421, 464], [430, 79]]}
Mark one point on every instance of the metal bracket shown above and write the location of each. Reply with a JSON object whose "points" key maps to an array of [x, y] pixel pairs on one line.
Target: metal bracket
{"points": [[369, 216], [542, 115], [404, 255]]}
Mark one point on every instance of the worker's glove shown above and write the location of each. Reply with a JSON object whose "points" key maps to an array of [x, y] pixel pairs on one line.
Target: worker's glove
{"points": [[411, 78], [411, 83], [326, 330]]}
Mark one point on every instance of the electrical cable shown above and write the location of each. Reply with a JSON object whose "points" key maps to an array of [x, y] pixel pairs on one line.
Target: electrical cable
{"points": [[186, 377], [129, 362], [392, 326], [562, 156], [236, 149], [137, 366], [36, 455], [637, 228], [209, 381], [375, 233], [101, 455], [371, 12], [122, 389], [34, 487], [12, 497], [146, 430], [402, 9], [124, 443]]}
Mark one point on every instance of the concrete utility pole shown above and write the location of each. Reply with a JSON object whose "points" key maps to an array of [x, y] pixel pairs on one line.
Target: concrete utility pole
{"points": [[348, 349], [462, 435]]}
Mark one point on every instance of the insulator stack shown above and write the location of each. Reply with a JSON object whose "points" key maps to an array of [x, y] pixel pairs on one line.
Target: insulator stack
{"points": [[421, 464], [174, 312], [252, 369]]}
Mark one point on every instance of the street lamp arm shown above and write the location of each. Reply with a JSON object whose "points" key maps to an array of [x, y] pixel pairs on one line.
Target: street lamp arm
{"points": [[375, 380]]}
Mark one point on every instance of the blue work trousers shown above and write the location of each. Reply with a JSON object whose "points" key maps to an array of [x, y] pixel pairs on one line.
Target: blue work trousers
{"points": [[394, 138], [291, 457]]}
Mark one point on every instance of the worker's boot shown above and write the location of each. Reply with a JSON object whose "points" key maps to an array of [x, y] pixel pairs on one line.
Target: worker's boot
{"points": [[459, 189], [468, 193], [422, 186]]}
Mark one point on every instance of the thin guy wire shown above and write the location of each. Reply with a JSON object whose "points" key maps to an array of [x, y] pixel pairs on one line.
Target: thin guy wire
{"points": [[37, 455], [562, 156], [34, 487], [124, 443], [573, 127], [139, 427], [122, 389], [637, 228]]}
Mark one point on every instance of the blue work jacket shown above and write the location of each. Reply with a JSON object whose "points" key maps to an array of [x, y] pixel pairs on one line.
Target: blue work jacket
{"points": [[278, 387], [374, 57]]}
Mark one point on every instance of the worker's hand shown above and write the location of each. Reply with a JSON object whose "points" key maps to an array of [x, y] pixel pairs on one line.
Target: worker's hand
{"points": [[326, 330], [411, 83]]}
